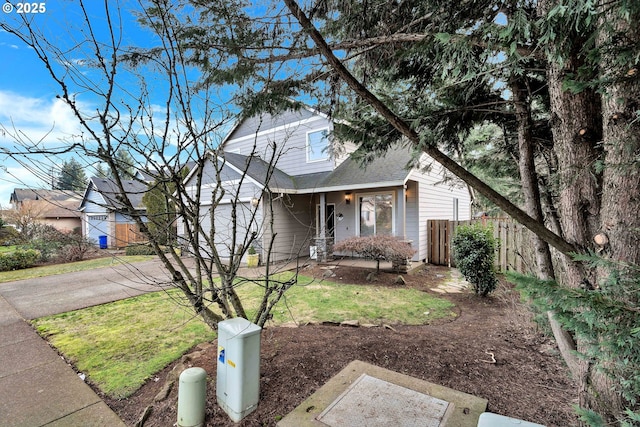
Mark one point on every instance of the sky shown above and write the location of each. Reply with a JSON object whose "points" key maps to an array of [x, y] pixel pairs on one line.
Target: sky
{"points": [[29, 107]]}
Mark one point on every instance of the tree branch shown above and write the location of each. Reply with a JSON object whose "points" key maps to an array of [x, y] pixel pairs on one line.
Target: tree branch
{"points": [[405, 129]]}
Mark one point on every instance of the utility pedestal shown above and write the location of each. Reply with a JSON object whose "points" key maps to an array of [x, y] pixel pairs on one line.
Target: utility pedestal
{"points": [[238, 367]]}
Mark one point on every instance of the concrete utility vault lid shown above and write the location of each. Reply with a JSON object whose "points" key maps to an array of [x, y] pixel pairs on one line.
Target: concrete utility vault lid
{"points": [[372, 402], [359, 396]]}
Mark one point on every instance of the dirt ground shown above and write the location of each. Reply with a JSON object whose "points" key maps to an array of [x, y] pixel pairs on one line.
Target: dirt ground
{"points": [[528, 380]]}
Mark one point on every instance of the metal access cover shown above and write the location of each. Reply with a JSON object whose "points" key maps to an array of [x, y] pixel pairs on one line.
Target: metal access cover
{"points": [[371, 402]]}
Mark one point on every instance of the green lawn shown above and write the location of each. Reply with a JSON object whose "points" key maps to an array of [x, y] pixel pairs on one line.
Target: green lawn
{"points": [[7, 249], [50, 270], [121, 344]]}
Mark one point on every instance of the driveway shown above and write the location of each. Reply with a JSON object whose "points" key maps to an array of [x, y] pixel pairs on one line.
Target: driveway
{"points": [[44, 296]]}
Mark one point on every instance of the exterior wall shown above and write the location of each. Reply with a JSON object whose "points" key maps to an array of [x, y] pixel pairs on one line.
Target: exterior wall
{"points": [[65, 225], [289, 132], [293, 221], [412, 228], [436, 201], [230, 183], [96, 218], [404, 215], [249, 126]]}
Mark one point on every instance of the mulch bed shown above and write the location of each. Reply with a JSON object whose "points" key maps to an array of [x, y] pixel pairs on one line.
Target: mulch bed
{"points": [[528, 379]]}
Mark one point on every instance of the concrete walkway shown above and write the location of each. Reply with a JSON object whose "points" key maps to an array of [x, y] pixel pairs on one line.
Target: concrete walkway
{"points": [[37, 387]]}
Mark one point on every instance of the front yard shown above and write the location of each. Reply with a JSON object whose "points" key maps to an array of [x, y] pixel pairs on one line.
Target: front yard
{"points": [[122, 344]]}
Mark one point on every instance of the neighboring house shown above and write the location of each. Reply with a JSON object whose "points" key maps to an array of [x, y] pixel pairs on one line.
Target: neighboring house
{"points": [[320, 194], [57, 208], [103, 219]]}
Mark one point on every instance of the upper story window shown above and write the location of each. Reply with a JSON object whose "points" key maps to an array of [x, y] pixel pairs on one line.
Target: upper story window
{"points": [[317, 145]]}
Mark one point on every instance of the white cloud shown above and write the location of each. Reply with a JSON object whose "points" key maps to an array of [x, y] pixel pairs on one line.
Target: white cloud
{"points": [[37, 118], [33, 120], [12, 176]]}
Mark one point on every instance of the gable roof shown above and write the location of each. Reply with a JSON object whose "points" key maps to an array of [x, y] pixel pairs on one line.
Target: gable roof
{"points": [[108, 188], [22, 194], [389, 169], [279, 118], [258, 170]]}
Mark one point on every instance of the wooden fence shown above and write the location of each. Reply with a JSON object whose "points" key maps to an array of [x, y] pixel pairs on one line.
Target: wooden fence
{"points": [[127, 234], [513, 253]]}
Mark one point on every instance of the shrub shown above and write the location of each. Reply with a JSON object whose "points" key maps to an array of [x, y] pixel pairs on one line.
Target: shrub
{"points": [[19, 259], [474, 253], [75, 248], [9, 236], [46, 240], [140, 250], [376, 247]]}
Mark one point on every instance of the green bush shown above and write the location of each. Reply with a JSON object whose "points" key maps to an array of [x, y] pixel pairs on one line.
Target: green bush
{"points": [[140, 250], [19, 259], [9, 236], [474, 253]]}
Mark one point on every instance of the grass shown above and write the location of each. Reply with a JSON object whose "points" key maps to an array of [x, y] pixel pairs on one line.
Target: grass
{"points": [[50, 270], [7, 249], [312, 301], [119, 345]]}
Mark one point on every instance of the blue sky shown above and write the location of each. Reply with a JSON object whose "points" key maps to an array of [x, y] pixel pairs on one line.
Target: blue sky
{"points": [[28, 103]]}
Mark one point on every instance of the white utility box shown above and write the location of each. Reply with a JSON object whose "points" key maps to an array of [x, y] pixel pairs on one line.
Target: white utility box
{"points": [[487, 419], [238, 371]]}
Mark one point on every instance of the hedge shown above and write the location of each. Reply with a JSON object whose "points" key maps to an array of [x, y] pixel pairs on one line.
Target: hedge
{"points": [[19, 259]]}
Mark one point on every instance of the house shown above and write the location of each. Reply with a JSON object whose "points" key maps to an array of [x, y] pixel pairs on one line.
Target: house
{"points": [[320, 194], [103, 217], [57, 208]]}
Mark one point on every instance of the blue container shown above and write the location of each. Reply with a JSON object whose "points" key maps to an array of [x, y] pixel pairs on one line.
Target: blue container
{"points": [[103, 242]]}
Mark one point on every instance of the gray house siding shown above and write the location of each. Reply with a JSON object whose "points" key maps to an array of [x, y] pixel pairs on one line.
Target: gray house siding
{"points": [[436, 201], [243, 192], [292, 224], [231, 183], [412, 229], [291, 144], [266, 121], [222, 221]]}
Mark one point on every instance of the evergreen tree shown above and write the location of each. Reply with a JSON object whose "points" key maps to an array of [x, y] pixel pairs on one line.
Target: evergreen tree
{"points": [[71, 176], [125, 165]]}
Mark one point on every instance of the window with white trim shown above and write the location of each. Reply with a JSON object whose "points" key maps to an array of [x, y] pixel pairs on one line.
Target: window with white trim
{"points": [[317, 145], [376, 214]]}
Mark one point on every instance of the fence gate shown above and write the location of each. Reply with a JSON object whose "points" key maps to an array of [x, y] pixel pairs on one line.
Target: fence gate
{"points": [[439, 241], [511, 236], [127, 234]]}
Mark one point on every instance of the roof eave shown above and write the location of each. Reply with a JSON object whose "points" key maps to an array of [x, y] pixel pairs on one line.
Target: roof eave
{"points": [[336, 188]]}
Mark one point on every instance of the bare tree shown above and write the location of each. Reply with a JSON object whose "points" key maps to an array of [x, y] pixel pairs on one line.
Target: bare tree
{"points": [[153, 105]]}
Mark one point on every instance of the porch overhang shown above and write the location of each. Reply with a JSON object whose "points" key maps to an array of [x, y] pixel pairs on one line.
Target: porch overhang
{"points": [[337, 188]]}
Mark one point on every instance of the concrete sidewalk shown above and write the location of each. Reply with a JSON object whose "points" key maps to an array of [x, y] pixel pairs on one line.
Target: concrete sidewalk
{"points": [[37, 387]]}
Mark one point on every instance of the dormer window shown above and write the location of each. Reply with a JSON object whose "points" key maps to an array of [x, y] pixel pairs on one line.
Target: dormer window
{"points": [[318, 145]]}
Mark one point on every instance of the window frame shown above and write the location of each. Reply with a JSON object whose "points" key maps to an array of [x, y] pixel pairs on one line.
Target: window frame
{"points": [[374, 194], [324, 150], [330, 232]]}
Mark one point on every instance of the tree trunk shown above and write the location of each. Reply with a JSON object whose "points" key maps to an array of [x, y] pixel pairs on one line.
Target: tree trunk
{"points": [[533, 206], [620, 217]]}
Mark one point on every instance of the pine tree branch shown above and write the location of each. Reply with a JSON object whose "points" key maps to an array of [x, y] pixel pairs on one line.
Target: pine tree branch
{"points": [[403, 127]]}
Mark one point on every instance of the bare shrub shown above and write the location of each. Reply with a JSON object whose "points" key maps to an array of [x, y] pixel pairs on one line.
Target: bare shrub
{"points": [[378, 248]]}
